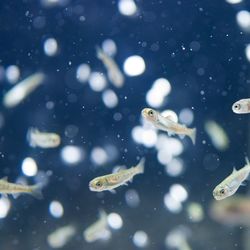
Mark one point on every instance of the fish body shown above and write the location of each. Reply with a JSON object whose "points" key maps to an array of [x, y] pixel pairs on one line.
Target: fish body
{"points": [[230, 185], [167, 124], [242, 106], [16, 189], [21, 90], [43, 139], [112, 181], [98, 229], [114, 74]]}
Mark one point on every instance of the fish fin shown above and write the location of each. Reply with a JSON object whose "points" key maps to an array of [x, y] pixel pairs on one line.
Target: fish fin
{"points": [[247, 160], [4, 195], [234, 170], [36, 191], [102, 214], [125, 184], [192, 135], [170, 133], [181, 136], [29, 137], [112, 191], [15, 195], [243, 183], [119, 169], [169, 117], [140, 166], [5, 179]]}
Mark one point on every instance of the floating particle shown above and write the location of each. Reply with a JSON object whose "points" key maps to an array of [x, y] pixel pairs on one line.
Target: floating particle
{"points": [[98, 156], [12, 73], [171, 204], [110, 98], [195, 212], [56, 209], [97, 81], [127, 7], [71, 131], [72, 155], [109, 47], [132, 198], [83, 73], [186, 116], [178, 192], [140, 239], [50, 47], [243, 20], [115, 221], [175, 167], [234, 1], [29, 167], [134, 65]]}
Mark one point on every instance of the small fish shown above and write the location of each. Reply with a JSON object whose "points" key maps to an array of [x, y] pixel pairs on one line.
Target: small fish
{"points": [[21, 90], [42, 139], [231, 184], [167, 124], [17, 189], [242, 106], [112, 181], [114, 74], [98, 230]]}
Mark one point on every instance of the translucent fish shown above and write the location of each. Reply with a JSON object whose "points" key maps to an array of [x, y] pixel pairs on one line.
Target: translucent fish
{"points": [[242, 106]]}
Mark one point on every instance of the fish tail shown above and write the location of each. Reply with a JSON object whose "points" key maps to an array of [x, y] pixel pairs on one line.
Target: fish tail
{"points": [[36, 191], [247, 161], [99, 52], [192, 135], [30, 138], [140, 166]]}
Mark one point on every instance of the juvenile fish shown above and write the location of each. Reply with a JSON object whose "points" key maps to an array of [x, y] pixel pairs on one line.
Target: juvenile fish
{"points": [[114, 74], [231, 184], [16, 189], [21, 90], [98, 230], [242, 106], [42, 139], [112, 181], [166, 124]]}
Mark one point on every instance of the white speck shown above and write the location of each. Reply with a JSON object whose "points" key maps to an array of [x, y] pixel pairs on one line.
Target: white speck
{"points": [[72, 154], [50, 47], [234, 1], [171, 204], [109, 47], [97, 81], [56, 209], [12, 73], [99, 156], [140, 239], [243, 20], [178, 192], [29, 167], [115, 221], [83, 72], [110, 98], [132, 198], [134, 65], [127, 7], [186, 116], [4, 207]]}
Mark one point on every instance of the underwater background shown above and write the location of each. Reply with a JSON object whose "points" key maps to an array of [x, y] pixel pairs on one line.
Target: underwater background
{"points": [[197, 50]]}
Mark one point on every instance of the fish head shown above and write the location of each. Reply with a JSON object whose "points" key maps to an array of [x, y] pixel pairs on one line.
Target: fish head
{"points": [[97, 184], [221, 192], [54, 140], [149, 114], [241, 107]]}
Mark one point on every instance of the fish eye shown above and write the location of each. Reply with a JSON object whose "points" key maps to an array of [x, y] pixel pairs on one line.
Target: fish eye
{"points": [[222, 191], [237, 106], [98, 184], [150, 112]]}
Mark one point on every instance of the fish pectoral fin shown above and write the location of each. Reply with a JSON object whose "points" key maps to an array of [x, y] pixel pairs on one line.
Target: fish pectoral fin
{"points": [[15, 195], [181, 136], [125, 184], [112, 191], [170, 133], [4, 195], [243, 183]]}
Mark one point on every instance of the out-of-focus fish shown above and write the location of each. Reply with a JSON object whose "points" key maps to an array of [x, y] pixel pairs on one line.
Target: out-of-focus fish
{"points": [[98, 230], [167, 124], [17, 189], [61, 236], [111, 181], [231, 184], [21, 90], [114, 74], [217, 135], [233, 211], [242, 106], [42, 139]]}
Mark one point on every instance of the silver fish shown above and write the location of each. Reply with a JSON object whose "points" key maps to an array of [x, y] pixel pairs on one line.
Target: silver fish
{"points": [[242, 106], [166, 124]]}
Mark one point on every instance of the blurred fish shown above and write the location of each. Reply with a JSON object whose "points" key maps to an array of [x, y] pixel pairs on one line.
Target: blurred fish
{"points": [[112, 181], [21, 90], [61, 236], [233, 211], [242, 106], [231, 184], [114, 74], [42, 139], [98, 230], [167, 124], [217, 135], [17, 189]]}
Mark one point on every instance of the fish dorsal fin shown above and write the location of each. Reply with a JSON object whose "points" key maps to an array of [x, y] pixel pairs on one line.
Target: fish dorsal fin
{"points": [[169, 117], [234, 170], [5, 179], [119, 169]]}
